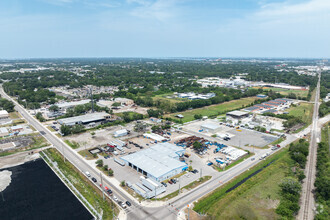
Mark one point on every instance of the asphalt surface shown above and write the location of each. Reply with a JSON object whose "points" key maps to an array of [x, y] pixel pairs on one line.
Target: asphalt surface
{"points": [[137, 211]]}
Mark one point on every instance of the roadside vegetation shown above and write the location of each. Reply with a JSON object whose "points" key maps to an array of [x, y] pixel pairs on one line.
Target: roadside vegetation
{"points": [[190, 186], [270, 190], [72, 144], [322, 181], [91, 193]]}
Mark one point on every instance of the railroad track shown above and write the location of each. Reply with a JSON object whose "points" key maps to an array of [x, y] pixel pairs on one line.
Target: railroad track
{"points": [[306, 211]]}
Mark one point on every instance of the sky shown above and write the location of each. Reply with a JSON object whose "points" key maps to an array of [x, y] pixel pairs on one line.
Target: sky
{"points": [[164, 28]]}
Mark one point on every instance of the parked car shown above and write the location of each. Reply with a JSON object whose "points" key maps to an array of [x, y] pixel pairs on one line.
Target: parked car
{"points": [[173, 180], [252, 159], [115, 198], [109, 191], [210, 164], [170, 182], [128, 203], [123, 205], [94, 180], [164, 184]]}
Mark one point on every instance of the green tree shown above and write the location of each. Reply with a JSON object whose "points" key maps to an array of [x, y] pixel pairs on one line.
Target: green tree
{"points": [[105, 167], [197, 146], [198, 116], [54, 108], [65, 130], [99, 163]]}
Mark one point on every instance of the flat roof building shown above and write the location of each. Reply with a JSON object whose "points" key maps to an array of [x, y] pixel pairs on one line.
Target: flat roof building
{"points": [[155, 137], [159, 162], [210, 127], [66, 105], [251, 109], [85, 119], [4, 114], [237, 114]]}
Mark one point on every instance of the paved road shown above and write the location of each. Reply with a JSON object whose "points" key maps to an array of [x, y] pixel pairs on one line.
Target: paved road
{"points": [[138, 211], [307, 207]]}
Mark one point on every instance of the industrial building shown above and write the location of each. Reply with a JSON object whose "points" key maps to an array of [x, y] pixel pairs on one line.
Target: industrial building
{"points": [[155, 137], [159, 162], [124, 101], [193, 96], [66, 105], [149, 188], [4, 114], [85, 119], [238, 115], [120, 133], [210, 127], [3, 132]]}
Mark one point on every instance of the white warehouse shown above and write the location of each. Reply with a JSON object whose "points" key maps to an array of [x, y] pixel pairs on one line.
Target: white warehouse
{"points": [[159, 162]]}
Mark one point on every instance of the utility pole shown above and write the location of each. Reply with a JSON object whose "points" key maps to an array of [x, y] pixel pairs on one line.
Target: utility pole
{"points": [[63, 152], [91, 91], [200, 174], [188, 212]]}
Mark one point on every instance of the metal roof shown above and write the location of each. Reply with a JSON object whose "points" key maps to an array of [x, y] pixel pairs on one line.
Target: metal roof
{"points": [[237, 113], [210, 126], [157, 160], [84, 118], [251, 108], [71, 104]]}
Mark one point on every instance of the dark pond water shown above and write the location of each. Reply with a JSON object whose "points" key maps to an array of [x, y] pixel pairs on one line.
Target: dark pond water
{"points": [[35, 192]]}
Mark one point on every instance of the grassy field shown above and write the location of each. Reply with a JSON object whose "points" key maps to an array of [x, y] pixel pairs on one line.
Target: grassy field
{"points": [[214, 109], [14, 115], [257, 198], [172, 100], [301, 93], [304, 110], [72, 144], [91, 193]]}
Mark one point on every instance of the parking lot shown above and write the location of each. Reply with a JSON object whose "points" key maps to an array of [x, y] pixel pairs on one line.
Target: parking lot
{"points": [[238, 137]]}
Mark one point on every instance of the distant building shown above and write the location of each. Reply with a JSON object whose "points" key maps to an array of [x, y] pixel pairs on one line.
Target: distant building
{"points": [[85, 119], [237, 114], [120, 133], [66, 105], [262, 96], [4, 114], [16, 128], [3, 132], [210, 127], [124, 101], [251, 109]]}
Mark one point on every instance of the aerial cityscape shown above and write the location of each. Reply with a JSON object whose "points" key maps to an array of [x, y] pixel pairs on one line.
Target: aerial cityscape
{"points": [[154, 109]]}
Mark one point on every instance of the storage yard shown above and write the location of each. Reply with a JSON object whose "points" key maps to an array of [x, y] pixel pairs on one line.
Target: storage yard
{"points": [[237, 137]]}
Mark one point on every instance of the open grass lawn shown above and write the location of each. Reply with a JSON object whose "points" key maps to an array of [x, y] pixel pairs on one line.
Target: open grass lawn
{"points": [[14, 115], [301, 93], [172, 100], [304, 110], [257, 198], [214, 109]]}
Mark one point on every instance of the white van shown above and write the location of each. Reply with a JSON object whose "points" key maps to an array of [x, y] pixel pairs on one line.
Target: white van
{"points": [[88, 174]]}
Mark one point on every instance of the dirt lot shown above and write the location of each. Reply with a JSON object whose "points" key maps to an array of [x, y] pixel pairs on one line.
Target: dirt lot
{"points": [[101, 137]]}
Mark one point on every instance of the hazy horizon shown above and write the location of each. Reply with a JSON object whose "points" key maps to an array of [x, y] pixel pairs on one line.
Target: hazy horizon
{"points": [[164, 28]]}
